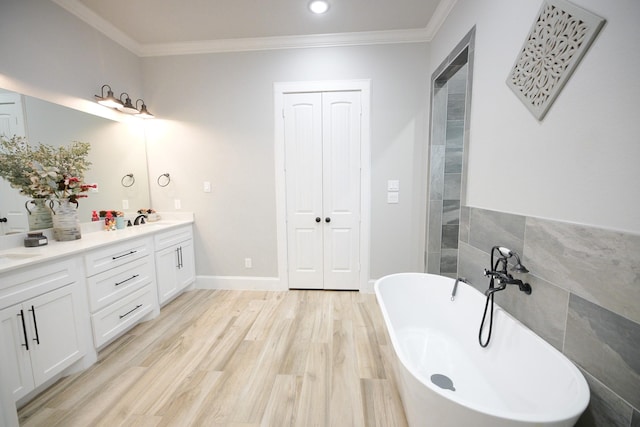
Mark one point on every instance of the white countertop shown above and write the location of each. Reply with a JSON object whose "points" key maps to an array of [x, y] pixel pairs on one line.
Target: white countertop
{"points": [[93, 236]]}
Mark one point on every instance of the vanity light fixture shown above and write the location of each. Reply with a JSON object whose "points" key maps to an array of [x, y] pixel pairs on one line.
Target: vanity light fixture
{"points": [[127, 106], [109, 100], [319, 6], [143, 113]]}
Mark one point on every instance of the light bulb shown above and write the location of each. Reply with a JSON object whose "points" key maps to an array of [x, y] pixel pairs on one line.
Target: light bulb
{"points": [[319, 6]]}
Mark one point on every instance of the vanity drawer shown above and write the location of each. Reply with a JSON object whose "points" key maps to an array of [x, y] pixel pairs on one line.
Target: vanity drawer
{"points": [[116, 255], [28, 282], [171, 237], [120, 316], [108, 287]]}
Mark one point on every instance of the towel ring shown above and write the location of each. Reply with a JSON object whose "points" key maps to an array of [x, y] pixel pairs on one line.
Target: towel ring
{"points": [[128, 182], [168, 180]]}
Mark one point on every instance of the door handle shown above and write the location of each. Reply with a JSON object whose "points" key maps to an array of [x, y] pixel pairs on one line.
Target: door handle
{"points": [[327, 220], [318, 219]]}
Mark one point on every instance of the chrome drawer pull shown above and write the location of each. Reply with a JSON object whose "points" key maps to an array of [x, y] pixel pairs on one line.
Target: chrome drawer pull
{"points": [[130, 311], [126, 280], [124, 255]]}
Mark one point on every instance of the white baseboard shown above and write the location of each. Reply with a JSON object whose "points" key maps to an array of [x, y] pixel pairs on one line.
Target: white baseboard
{"points": [[250, 283], [239, 283]]}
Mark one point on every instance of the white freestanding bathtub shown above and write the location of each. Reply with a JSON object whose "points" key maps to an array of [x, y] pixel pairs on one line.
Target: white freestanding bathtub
{"points": [[446, 378]]}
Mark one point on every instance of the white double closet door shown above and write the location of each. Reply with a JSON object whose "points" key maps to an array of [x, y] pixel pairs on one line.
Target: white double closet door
{"points": [[322, 135]]}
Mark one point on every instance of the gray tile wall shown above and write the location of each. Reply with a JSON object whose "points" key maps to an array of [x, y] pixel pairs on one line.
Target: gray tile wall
{"points": [[585, 299], [445, 173]]}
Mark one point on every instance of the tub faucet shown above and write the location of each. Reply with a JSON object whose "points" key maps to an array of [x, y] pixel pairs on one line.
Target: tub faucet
{"points": [[500, 272], [455, 287]]}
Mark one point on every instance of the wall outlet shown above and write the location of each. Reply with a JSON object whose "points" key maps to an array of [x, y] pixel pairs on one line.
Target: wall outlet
{"points": [[206, 187], [125, 204], [393, 185], [393, 197], [248, 263], [177, 204]]}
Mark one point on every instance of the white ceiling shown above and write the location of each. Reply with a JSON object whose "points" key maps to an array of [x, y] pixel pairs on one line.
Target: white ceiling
{"points": [[160, 27]]}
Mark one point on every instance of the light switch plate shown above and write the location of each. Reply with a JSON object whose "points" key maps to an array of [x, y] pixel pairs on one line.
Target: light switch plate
{"points": [[393, 185], [177, 204], [125, 204], [393, 197]]}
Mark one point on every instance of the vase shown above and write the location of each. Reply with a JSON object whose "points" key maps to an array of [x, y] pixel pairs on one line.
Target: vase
{"points": [[39, 214], [66, 225]]}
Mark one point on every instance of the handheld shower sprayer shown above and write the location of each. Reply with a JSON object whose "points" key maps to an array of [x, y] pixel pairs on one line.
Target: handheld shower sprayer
{"points": [[508, 253], [499, 273]]}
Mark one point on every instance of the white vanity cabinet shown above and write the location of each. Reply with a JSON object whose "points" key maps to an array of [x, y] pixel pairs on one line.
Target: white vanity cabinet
{"points": [[41, 315], [121, 287], [175, 261]]}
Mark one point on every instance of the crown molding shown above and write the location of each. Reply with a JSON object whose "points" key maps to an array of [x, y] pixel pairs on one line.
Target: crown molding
{"points": [[439, 16], [96, 21], [261, 43], [285, 42]]}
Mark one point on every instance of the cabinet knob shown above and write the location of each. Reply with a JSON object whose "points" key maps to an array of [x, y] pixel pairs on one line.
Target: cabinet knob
{"points": [[318, 219], [327, 220], [3, 219]]}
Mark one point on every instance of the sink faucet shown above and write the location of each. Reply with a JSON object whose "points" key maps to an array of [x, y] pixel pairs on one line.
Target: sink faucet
{"points": [[139, 219], [499, 272]]}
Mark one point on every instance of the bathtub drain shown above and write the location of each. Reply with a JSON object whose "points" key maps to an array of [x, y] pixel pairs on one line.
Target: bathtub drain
{"points": [[443, 381]]}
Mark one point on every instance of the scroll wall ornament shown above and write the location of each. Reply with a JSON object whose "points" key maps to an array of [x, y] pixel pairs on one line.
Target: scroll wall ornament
{"points": [[559, 38]]}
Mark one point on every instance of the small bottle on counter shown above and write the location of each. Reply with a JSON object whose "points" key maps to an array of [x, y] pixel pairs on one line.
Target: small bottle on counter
{"points": [[94, 216], [35, 239], [109, 222]]}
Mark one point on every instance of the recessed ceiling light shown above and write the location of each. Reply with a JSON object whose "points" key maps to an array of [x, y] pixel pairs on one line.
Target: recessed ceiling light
{"points": [[319, 6]]}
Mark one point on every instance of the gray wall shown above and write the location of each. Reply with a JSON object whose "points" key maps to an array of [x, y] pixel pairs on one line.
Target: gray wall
{"points": [[562, 192], [580, 163], [586, 289], [50, 54], [217, 124]]}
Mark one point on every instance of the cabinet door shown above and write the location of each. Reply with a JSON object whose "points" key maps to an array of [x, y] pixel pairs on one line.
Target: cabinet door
{"points": [[13, 352], [54, 332], [187, 267], [166, 269]]}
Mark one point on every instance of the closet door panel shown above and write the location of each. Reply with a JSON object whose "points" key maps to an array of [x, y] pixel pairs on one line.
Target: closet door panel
{"points": [[303, 171]]}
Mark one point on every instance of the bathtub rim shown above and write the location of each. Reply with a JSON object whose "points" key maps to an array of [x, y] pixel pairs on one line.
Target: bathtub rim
{"points": [[583, 394]]}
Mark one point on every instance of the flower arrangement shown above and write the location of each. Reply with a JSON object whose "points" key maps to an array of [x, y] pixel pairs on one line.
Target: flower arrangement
{"points": [[44, 171]]}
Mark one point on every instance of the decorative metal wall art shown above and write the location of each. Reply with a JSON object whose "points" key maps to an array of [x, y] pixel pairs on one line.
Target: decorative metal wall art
{"points": [[559, 38]]}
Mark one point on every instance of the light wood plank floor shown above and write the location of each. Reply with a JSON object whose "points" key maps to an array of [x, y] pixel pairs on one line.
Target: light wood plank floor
{"points": [[231, 358]]}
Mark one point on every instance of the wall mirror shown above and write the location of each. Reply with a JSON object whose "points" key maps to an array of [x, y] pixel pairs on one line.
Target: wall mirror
{"points": [[117, 151]]}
